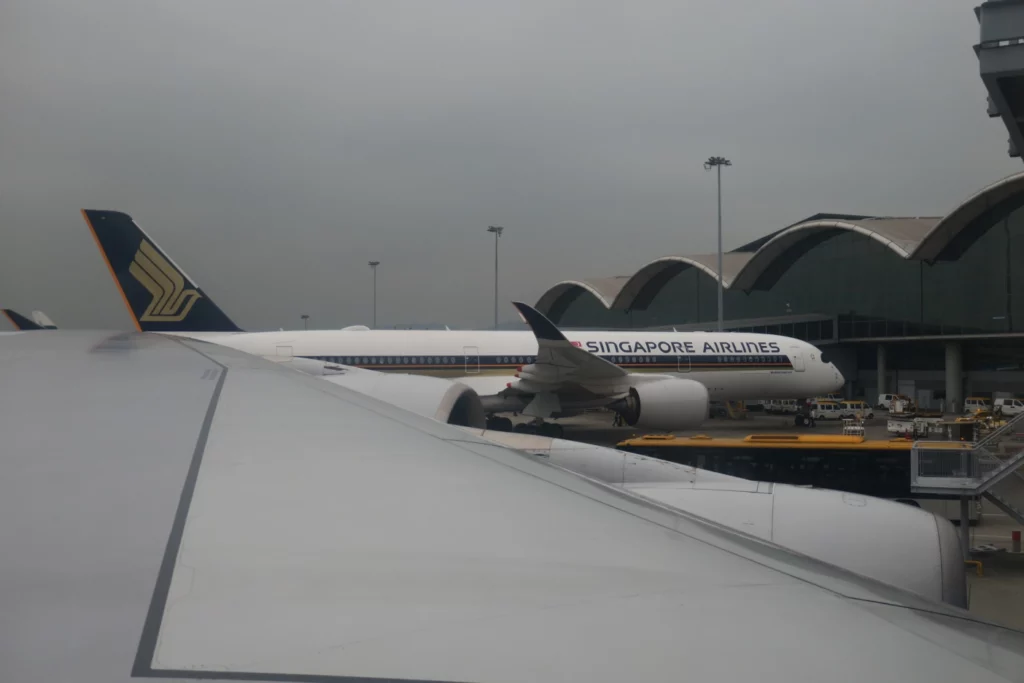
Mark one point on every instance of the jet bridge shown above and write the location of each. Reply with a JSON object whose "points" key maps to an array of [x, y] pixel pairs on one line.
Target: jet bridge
{"points": [[991, 468]]}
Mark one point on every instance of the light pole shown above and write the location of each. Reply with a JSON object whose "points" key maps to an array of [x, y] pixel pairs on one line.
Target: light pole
{"points": [[305, 321], [497, 230], [373, 267], [717, 163]]}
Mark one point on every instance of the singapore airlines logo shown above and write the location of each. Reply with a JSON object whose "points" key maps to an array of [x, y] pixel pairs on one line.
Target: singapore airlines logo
{"points": [[171, 301]]}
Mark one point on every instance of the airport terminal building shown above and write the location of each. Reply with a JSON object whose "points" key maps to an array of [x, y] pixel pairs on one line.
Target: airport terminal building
{"points": [[931, 307]]}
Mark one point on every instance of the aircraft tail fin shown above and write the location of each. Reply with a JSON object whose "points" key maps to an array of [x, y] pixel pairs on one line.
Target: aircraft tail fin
{"points": [[158, 293], [19, 321], [43, 320]]}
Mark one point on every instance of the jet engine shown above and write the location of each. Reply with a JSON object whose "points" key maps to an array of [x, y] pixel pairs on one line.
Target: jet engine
{"points": [[858, 533], [666, 404], [433, 397]]}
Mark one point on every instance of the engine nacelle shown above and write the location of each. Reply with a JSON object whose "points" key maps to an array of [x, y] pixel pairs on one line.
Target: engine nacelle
{"points": [[858, 533], [666, 404]]}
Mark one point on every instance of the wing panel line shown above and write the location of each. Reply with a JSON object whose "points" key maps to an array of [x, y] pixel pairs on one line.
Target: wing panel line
{"points": [[158, 603]]}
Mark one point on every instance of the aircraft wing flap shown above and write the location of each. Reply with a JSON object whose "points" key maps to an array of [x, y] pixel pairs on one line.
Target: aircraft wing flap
{"points": [[186, 511]]}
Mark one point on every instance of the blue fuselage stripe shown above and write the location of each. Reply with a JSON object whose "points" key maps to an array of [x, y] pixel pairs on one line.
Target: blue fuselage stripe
{"points": [[666, 363]]}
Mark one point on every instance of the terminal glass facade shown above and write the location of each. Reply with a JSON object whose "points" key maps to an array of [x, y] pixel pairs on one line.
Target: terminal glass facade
{"points": [[867, 288]]}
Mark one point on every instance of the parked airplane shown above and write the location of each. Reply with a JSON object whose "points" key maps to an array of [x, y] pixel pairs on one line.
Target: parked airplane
{"points": [[180, 510], [39, 320], [657, 380], [18, 321]]}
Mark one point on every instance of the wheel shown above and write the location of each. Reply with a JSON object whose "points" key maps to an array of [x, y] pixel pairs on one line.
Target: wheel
{"points": [[500, 424], [551, 429]]}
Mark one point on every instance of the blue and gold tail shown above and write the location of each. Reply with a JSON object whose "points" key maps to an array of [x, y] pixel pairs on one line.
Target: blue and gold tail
{"points": [[158, 294], [19, 321]]}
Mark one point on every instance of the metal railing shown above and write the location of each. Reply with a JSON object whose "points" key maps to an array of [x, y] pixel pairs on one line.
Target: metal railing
{"points": [[1009, 427], [966, 467]]}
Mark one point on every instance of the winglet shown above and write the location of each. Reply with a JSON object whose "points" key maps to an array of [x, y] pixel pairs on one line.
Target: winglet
{"points": [[542, 328], [19, 321]]}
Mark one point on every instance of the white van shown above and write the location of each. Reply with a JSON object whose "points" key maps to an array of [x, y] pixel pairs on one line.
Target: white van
{"points": [[885, 400], [825, 410], [859, 409], [1008, 406], [973, 404], [781, 406]]}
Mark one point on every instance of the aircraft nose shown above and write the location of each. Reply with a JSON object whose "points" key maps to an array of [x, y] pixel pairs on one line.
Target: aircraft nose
{"points": [[840, 380]]}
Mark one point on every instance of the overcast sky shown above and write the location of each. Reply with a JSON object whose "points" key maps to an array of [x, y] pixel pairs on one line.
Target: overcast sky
{"points": [[272, 149]]}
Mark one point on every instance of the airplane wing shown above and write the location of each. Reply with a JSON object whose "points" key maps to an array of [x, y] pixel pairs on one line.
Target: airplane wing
{"points": [[175, 509], [558, 361]]}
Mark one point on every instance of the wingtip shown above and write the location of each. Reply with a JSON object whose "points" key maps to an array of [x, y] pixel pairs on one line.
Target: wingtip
{"points": [[538, 322]]}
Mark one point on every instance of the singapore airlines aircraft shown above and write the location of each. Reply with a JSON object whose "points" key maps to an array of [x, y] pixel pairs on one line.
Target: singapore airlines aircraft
{"points": [[179, 510], [655, 380]]}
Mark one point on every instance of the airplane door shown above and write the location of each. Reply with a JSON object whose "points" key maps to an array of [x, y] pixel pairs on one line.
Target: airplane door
{"points": [[472, 359], [284, 351], [684, 363], [798, 360]]}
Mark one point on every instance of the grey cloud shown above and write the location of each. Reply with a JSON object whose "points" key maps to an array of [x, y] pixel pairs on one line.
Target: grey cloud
{"points": [[274, 148]]}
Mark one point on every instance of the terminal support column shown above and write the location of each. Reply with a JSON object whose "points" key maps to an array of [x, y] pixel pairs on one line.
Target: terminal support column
{"points": [[954, 375], [882, 386], [965, 526]]}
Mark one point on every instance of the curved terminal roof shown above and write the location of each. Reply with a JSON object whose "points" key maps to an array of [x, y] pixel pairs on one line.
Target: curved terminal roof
{"points": [[901, 235], [919, 238], [1001, 196], [639, 289], [559, 296]]}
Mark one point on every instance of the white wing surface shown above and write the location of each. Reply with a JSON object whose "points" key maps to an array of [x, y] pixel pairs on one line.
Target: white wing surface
{"points": [[173, 509]]}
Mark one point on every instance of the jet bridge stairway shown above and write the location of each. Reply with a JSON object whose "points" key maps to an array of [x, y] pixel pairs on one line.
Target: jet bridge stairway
{"points": [[991, 467]]}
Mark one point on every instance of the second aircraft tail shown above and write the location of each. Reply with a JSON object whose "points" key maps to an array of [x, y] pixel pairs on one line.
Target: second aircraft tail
{"points": [[158, 293], [19, 321]]}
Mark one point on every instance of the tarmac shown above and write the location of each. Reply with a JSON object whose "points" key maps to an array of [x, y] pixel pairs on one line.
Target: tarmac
{"points": [[997, 595]]}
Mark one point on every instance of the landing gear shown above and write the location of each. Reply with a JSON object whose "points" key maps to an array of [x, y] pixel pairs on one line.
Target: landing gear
{"points": [[549, 429], [499, 424], [804, 421]]}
